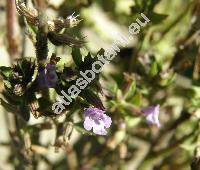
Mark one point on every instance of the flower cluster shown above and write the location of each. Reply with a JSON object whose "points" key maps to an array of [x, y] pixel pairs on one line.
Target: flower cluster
{"points": [[47, 77], [96, 119], [151, 114]]}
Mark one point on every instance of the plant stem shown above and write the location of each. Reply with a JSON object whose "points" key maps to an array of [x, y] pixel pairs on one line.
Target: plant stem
{"points": [[13, 48]]}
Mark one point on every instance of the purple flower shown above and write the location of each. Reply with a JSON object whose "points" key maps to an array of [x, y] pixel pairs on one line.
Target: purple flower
{"points": [[152, 114], [96, 119], [47, 77]]}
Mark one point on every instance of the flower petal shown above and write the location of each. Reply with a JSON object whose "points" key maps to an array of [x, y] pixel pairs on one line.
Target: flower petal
{"points": [[51, 75], [152, 114], [88, 123], [107, 121], [99, 128], [151, 119], [148, 110], [47, 77]]}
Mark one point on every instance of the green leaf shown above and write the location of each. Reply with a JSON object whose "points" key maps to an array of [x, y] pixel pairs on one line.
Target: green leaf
{"points": [[77, 57], [88, 61], [92, 98], [167, 80], [135, 10], [8, 107], [14, 100], [157, 18], [132, 121], [64, 39], [154, 69], [7, 84], [44, 104], [6, 72], [137, 99], [101, 52], [131, 91]]}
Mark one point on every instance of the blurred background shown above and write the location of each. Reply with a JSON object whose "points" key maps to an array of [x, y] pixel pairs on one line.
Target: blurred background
{"points": [[161, 65]]}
